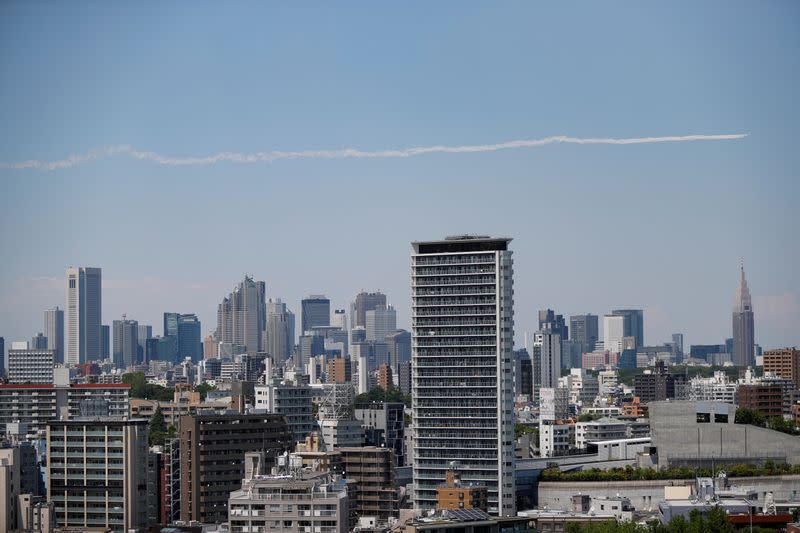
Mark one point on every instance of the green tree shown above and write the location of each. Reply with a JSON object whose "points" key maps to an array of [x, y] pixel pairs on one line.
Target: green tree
{"points": [[749, 416], [203, 389]]}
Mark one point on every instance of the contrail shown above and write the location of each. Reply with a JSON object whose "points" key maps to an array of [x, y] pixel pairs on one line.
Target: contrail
{"points": [[275, 155]]}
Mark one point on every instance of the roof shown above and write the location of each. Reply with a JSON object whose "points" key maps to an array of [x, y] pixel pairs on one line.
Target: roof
{"points": [[71, 386]]}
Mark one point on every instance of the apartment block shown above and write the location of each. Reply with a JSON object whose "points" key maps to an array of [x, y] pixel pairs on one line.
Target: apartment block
{"points": [[373, 470], [785, 363]]}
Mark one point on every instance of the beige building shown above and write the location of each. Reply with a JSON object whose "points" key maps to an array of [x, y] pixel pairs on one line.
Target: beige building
{"points": [[785, 363]]}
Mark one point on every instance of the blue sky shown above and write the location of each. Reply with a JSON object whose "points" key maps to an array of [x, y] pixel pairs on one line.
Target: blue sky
{"points": [[658, 226]]}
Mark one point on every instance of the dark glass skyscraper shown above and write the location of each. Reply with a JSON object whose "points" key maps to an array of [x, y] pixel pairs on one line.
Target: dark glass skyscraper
{"points": [[316, 311], [584, 330], [189, 337]]}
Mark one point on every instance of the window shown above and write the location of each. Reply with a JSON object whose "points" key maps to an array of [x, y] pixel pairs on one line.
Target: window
{"points": [[721, 418], [703, 418]]}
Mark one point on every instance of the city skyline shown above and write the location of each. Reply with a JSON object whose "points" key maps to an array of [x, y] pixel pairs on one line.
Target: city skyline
{"points": [[658, 226]]}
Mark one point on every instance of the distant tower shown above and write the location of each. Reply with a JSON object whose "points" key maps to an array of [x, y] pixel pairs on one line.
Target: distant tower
{"points": [[743, 330], [83, 314], [54, 331]]}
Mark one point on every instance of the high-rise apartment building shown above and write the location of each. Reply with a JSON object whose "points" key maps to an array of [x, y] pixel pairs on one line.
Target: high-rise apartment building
{"points": [[365, 301], [212, 450], [785, 363], [54, 331], [743, 328], [126, 343], [242, 315], [30, 366], [380, 321], [583, 329], [633, 324], [97, 472], [280, 331], [315, 312], [463, 384], [83, 315], [613, 332]]}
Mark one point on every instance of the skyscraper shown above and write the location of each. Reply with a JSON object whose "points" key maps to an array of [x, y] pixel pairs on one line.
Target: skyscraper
{"points": [[633, 324], [126, 343], [171, 324], [583, 329], [189, 344], [553, 323], [315, 311], [380, 322], [144, 332], [280, 331], [39, 342], [365, 301], [84, 312], [613, 332], [54, 331], [105, 341], [463, 385], [242, 315], [550, 358], [743, 329]]}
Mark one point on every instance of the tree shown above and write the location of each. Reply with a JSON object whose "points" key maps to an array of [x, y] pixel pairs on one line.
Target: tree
{"points": [[749, 416], [588, 417], [203, 389], [157, 428], [522, 429], [140, 388]]}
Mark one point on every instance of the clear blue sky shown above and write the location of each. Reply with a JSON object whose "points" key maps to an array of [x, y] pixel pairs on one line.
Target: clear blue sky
{"points": [[657, 226]]}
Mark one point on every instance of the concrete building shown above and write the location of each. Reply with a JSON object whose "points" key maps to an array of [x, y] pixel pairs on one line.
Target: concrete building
{"points": [[717, 388], [384, 427], [692, 433], [242, 315], [551, 363], [54, 331], [380, 322], [36, 404], [365, 301], [556, 439], [292, 400], [599, 430], [743, 329], [126, 343], [583, 329], [315, 311], [463, 384], [212, 449], [765, 398], [339, 370], [30, 366], [658, 385], [784, 362], [18, 465], [83, 315], [398, 344], [97, 472], [373, 471], [298, 503]]}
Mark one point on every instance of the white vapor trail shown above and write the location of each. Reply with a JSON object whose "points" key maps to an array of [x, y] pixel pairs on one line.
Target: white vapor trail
{"points": [[268, 157]]}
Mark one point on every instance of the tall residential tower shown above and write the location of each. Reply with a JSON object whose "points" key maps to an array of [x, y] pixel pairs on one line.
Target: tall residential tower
{"points": [[463, 369]]}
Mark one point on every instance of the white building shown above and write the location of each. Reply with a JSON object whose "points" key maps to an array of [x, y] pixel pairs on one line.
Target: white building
{"points": [[380, 321], [463, 369], [607, 381], [613, 332], [30, 366], [292, 400], [582, 386], [599, 430], [83, 315], [556, 439]]}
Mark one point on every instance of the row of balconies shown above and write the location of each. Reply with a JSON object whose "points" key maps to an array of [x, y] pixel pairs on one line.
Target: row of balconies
{"points": [[426, 271], [453, 301], [471, 290], [449, 259]]}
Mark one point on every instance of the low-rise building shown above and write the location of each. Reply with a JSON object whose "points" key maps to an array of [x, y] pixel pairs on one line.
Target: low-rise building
{"points": [[556, 439], [599, 430], [384, 426], [373, 470], [453, 494]]}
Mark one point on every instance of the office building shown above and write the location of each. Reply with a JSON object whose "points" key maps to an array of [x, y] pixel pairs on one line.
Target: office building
{"points": [[398, 344], [523, 373], [784, 362], [380, 322], [280, 331], [212, 450], [143, 333], [105, 342], [365, 301], [613, 332], [126, 343], [242, 315], [315, 311], [677, 345], [209, 347], [171, 324], [633, 324], [743, 329], [583, 329], [339, 319], [97, 472], [550, 322], [384, 427], [339, 370], [30, 366], [189, 344], [373, 470], [300, 503], [292, 400], [550, 354], [35, 404], [2, 357], [462, 352], [38, 342], [83, 315]]}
